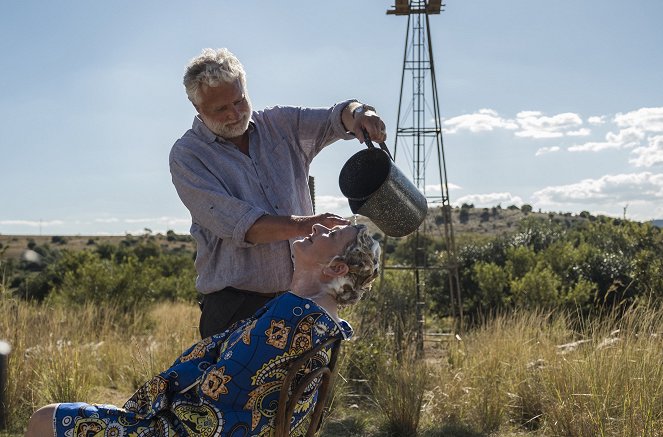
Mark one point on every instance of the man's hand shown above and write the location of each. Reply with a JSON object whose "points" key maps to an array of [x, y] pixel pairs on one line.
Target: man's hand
{"points": [[271, 228], [359, 117], [327, 220]]}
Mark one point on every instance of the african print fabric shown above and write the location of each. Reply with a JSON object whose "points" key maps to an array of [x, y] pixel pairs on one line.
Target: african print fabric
{"points": [[225, 385]]}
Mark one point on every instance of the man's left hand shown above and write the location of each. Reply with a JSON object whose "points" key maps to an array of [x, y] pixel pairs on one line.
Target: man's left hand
{"points": [[365, 119]]}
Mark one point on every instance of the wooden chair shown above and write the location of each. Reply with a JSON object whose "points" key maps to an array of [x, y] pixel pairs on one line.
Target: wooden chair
{"points": [[292, 392]]}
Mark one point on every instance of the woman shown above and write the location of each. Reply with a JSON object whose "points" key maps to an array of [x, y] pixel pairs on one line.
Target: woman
{"points": [[228, 384]]}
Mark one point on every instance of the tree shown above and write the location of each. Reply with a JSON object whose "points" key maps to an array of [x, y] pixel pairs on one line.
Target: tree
{"points": [[493, 281], [464, 215], [539, 287]]}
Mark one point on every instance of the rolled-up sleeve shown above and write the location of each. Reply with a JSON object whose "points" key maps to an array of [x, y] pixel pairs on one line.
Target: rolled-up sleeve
{"points": [[337, 120], [210, 204]]}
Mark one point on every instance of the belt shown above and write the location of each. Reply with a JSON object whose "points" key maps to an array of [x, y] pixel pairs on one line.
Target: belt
{"points": [[255, 293]]}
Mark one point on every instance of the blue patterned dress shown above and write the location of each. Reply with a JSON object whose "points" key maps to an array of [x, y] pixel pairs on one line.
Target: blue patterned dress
{"points": [[225, 385]]}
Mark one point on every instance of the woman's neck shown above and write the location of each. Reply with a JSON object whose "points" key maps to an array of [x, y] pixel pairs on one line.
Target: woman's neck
{"points": [[318, 293]]}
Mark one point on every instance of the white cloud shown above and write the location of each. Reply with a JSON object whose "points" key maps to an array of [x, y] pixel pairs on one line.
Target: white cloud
{"points": [[628, 137], [481, 121], [649, 155], [112, 225], [140, 220], [607, 190], [596, 119], [31, 223], [583, 132], [107, 220], [643, 119], [489, 199], [534, 124], [437, 188], [333, 204], [156, 221], [625, 138], [593, 146], [545, 150]]}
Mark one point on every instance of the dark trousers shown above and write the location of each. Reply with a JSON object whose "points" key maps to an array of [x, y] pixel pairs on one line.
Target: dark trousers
{"points": [[223, 308]]}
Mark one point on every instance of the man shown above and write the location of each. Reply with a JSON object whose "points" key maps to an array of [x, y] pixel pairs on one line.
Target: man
{"points": [[243, 175]]}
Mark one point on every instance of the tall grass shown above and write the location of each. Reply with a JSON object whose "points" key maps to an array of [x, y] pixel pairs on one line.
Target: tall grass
{"points": [[527, 373], [530, 372], [399, 391], [93, 354]]}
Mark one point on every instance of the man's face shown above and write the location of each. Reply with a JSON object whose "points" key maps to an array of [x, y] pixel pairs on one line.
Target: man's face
{"points": [[225, 109]]}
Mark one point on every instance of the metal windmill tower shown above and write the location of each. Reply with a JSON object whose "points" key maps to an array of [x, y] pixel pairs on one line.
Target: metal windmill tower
{"points": [[419, 132]]}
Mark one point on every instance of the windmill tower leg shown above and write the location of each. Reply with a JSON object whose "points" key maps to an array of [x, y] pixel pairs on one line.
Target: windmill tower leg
{"points": [[419, 131]]}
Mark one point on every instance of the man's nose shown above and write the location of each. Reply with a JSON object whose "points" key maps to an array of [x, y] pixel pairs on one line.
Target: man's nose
{"points": [[235, 112]]}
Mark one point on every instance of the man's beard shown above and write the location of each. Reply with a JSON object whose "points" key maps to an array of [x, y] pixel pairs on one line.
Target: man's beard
{"points": [[232, 130]]}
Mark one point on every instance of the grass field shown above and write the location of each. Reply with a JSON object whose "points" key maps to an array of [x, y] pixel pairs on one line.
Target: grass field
{"points": [[524, 374]]}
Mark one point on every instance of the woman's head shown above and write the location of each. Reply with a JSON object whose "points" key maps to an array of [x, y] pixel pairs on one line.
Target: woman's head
{"points": [[347, 257], [362, 256]]}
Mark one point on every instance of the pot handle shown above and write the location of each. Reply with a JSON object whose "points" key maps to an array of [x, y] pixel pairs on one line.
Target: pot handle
{"points": [[370, 145]]}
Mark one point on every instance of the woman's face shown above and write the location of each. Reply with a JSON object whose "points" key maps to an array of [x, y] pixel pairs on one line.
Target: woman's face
{"points": [[323, 244]]}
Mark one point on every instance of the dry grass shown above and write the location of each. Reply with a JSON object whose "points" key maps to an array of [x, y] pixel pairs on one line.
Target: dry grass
{"points": [[91, 354], [528, 374], [523, 374]]}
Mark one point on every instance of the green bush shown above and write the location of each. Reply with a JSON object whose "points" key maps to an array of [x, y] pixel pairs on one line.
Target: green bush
{"points": [[135, 272], [583, 265]]}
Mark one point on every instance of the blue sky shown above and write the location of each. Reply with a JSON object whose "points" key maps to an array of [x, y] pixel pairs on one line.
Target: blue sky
{"points": [[558, 104]]}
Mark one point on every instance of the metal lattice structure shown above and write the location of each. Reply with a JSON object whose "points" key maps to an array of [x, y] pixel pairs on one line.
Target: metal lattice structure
{"points": [[419, 133]]}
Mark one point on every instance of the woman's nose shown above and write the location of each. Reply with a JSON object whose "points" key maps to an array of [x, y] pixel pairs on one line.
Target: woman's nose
{"points": [[319, 228]]}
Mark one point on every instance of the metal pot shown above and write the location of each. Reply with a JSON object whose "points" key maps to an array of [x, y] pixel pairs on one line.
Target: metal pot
{"points": [[377, 189]]}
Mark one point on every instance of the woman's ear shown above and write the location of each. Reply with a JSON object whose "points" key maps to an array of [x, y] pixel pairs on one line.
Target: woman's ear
{"points": [[336, 269]]}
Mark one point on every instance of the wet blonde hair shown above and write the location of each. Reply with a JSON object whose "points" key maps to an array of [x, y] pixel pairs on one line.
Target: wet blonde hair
{"points": [[362, 256]]}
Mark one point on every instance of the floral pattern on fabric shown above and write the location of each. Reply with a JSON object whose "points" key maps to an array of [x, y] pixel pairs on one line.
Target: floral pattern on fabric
{"points": [[225, 385]]}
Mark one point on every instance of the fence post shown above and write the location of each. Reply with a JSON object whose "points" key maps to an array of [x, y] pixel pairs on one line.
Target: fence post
{"points": [[5, 349]]}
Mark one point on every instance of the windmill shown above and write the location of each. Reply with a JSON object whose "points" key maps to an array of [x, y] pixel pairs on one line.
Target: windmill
{"points": [[419, 134]]}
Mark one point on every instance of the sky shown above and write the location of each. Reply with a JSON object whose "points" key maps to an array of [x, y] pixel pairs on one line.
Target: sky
{"points": [[555, 104]]}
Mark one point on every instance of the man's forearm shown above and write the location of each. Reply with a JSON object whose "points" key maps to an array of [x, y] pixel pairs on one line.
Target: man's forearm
{"points": [[271, 228]]}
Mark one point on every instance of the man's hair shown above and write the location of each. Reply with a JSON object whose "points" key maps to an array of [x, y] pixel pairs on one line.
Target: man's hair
{"points": [[362, 256], [212, 67]]}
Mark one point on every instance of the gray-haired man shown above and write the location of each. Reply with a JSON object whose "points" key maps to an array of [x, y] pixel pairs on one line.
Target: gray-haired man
{"points": [[243, 175]]}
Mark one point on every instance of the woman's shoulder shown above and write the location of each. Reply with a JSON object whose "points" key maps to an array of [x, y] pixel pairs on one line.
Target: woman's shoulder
{"points": [[290, 312]]}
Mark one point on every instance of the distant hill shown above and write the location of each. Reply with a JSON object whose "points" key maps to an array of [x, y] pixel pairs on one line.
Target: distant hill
{"points": [[15, 246], [487, 222], [467, 221]]}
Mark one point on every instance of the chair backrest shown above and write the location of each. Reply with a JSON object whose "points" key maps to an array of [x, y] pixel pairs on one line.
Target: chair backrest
{"points": [[292, 390]]}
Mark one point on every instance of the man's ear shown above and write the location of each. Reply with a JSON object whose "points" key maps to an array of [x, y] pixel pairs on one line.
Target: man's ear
{"points": [[336, 268]]}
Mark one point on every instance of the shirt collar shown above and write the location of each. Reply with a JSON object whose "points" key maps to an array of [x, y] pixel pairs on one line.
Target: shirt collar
{"points": [[203, 131]]}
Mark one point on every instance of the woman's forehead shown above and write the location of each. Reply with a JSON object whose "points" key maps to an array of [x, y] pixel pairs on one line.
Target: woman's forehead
{"points": [[346, 230]]}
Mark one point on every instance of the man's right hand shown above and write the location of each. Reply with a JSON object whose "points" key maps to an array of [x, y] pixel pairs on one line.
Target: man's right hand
{"points": [[327, 219], [271, 228]]}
